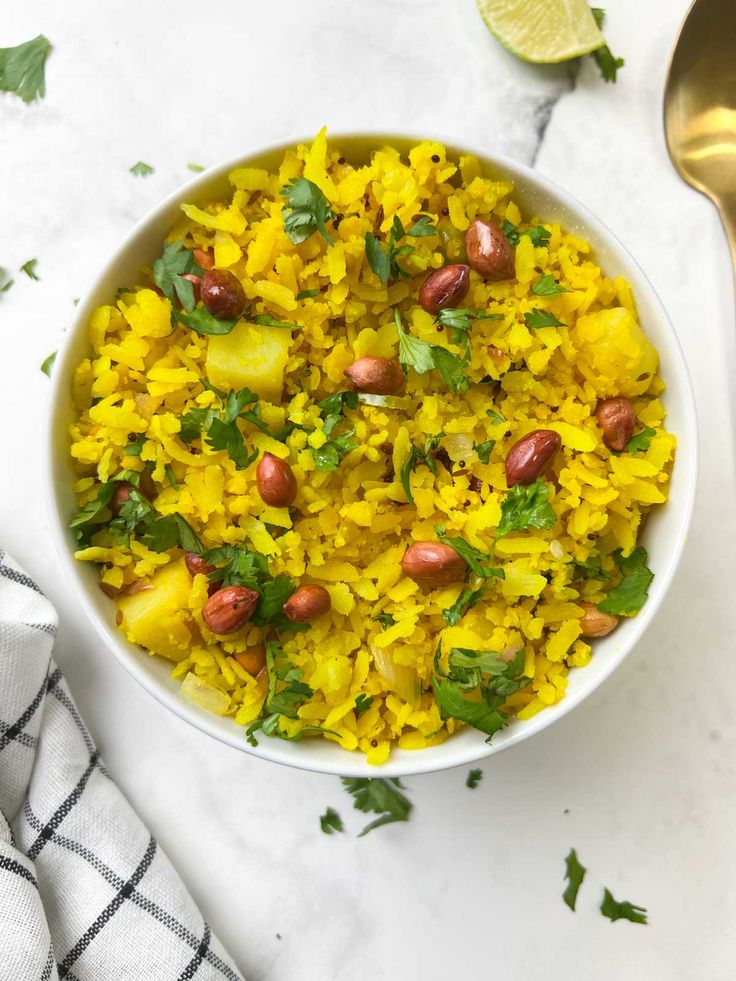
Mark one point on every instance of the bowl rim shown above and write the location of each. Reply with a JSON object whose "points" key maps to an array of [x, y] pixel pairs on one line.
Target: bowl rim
{"points": [[346, 763]]}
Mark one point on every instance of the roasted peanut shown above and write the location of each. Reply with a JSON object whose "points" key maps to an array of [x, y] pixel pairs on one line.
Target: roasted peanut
{"points": [[307, 603], [276, 481], [229, 608], [203, 258], [196, 565], [445, 287], [529, 458], [253, 659], [617, 420], [222, 294], [433, 564], [376, 376], [595, 623], [488, 251]]}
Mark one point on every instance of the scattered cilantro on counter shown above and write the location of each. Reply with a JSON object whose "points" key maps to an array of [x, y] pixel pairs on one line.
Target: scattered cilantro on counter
{"points": [[331, 821], [306, 211], [377, 795], [474, 778], [141, 169], [624, 910], [526, 507], [48, 364], [29, 268], [574, 873], [197, 168], [608, 65], [630, 594], [22, 68], [6, 281]]}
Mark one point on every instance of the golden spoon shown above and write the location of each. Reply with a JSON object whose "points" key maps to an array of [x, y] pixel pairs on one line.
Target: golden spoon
{"points": [[700, 106]]}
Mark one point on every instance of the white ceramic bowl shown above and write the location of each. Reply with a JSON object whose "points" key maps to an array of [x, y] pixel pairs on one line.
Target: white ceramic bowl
{"points": [[665, 531]]}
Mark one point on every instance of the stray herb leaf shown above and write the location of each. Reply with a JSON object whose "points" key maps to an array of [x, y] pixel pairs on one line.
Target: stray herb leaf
{"points": [[306, 211], [141, 169], [630, 594], [331, 821], [474, 778], [378, 796], [29, 268], [607, 64], [624, 910], [526, 507], [22, 68], [48, 364], [197, 168], [574, 873]]}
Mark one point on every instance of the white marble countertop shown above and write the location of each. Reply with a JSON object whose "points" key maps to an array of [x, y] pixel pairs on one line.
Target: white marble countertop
{"points": [[641, 778]]}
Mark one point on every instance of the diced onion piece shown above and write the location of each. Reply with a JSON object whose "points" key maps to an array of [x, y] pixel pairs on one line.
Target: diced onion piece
{"points": [[400, 678], [204, 695], [459, 446], [385, 401]]}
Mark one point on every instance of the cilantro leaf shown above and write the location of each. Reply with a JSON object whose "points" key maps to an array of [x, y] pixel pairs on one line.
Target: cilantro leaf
{"points": [[472, 555], [22, 68], [624, 910], [542, 318], [591, 568], [457, 320], [141, 169], [329, 456], [197, 168], [29, 268], [453, 704], [5, 280], [331, 821], [307, 294], [227, 436], [422, 357], [200, 320], [484, 450], [450, 368], [135, 448], [418, 457], [136, 510], [385, 262], [473, 779], [526, 507], [378, 260], [574, 873], [267, 320], [607, 64], [170, 531], [630, 594], [547, 285], [193, 422], [237, 566], [332, 408], [363, 702], [85, 521], [467, 599], [495, 418], [422, 227], [378, 796], [48, 364], [306, 211], [169, 269], [269, 611], [537, 233], [385, 619], [641, 441]]}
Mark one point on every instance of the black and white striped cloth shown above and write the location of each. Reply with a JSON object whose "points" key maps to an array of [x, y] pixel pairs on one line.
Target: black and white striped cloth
{"points": [[86, 893]]}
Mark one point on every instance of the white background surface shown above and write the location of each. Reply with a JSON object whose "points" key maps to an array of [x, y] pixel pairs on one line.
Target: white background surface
{"points": [[640, 779]]}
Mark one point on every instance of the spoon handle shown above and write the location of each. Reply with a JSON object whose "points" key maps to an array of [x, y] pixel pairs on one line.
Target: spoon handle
{"points": [[727, 207]]}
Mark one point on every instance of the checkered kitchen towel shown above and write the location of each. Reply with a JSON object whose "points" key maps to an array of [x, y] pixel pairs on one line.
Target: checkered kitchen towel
{"points": [[85, 891]]}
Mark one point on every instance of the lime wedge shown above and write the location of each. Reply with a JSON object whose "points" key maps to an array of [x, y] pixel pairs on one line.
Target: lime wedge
{"points": [[543, 31]]}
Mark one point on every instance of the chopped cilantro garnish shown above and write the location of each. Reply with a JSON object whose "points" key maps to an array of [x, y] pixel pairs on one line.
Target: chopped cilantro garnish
{"points": [[307, 294], [488, 677], [422, 227], [641, 441], [526, 507], [474, 778], [332, 409], [484, 450], [48, 364], [362, 703], [168, 274], [135, 448], [422, 357], [630, 594], [624, 910], [22, 68], [591, 568], [306, 211], [473, 556], [85, 521], [223, 432], [385, 262], [537, 233], [141, 169], [542, 318], [457, 321], [237, 566], [331, 821], [608, 65], [200, 320], [574, 873], [171, 476], [418, 457], [267, 320], [467, 599], [547, 285], [29, 268], [377, 795], [495, 418], [329, 456], [286, 693], [385, 619], [227, 436]]}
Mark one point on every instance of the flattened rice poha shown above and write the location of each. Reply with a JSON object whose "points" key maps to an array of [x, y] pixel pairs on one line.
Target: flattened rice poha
{"points": [[366, 453]]}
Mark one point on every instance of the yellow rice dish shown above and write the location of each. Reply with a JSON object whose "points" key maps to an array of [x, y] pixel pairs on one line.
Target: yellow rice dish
{"points": [[367, 452]]}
